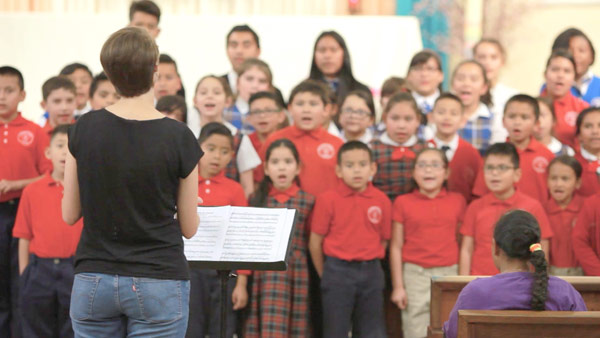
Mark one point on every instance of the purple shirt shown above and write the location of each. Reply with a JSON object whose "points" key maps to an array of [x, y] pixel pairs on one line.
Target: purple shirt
{"points": [[511, 291]]}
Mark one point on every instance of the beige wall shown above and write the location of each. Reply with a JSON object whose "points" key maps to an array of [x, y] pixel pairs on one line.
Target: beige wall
{"points": [[532, 39]]}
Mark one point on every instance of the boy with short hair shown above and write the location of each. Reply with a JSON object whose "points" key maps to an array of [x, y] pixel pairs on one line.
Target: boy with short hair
{"points": [[215, 190], [351, 226], [81, 76], [169, 81], [501, 172], [46, 249], [22, 161], [145, 14], [521, 113], [317, 148], [102, 92], [59, 95], [173, 106], [464, 160]]}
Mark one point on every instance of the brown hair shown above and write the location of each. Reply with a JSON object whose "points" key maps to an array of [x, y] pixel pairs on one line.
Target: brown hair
{"points": [[57, 82], [487, 97], [408, 98], [492, 41], [392, 85], [129, 59], [145, 6], [222, 81], [561, 53], [261, 65], [310, 86], [548, 102]]}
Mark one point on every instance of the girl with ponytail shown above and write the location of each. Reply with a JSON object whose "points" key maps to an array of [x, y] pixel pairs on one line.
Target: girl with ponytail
{"points": [[523, 282], [279, 301]]}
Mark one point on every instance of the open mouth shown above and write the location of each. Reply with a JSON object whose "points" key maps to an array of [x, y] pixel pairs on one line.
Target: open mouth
{"points": [[210, 105]]}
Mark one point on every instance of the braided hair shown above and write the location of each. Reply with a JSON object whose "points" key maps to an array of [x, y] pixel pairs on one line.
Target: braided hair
{"points": [[515, 233]]}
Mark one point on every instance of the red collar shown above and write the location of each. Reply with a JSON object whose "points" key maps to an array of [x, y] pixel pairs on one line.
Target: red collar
{"points": [[419, 195], [533, 145], [48, 180], [573, 206], [218, 178], [346, 191], [315, 133], [509, 202], [283, 196], [17, 121]]}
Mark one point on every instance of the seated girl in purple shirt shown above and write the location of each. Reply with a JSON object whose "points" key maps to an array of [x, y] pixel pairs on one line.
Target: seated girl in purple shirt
{"points": [[515, 243]]}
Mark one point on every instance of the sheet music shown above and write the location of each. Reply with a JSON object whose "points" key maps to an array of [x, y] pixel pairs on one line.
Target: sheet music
{"points": [[241, 234]]}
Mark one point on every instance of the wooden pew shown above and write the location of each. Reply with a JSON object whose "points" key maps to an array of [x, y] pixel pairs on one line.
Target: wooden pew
{"points": [[526, 324], [445, 290]]}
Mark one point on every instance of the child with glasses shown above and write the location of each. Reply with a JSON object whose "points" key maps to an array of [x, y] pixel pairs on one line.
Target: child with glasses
{"points": [[501, 173], [424, 242], [357, 116]]}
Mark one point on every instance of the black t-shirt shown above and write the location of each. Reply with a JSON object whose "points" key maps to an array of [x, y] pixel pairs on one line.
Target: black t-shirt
{"points": [[129, 173]]}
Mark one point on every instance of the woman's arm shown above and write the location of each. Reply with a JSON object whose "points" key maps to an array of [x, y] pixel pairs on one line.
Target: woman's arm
{"points": [[187, 204], [71, 204]]}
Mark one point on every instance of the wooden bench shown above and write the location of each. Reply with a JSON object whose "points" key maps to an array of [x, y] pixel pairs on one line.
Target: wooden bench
{"points": [[526, 324], [445, 291]]}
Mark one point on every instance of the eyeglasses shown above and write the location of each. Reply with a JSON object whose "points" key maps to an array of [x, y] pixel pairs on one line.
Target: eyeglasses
{"points": [[432, 165], [265, 111], [499, 168], [358, 112]]}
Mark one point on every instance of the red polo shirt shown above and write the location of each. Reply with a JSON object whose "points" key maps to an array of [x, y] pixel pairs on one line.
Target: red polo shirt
{"points": [[220, 190], [566, 110], [39, 219], [353, 223], [430, 226], [586, 236], [590, 180], [22, 152], [562, 222], [481, 217], [533, 161], [464, 168], [318, 156]]}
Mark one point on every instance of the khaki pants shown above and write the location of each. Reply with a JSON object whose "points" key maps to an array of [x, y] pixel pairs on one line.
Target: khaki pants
{"points": [[417, 283], [556, 271]]}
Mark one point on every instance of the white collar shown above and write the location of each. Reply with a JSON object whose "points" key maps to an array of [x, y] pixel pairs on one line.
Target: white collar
{"points": [[242, 106], [365, 138], [385, 139], [587, 77], [453, 144], [232, 77], [333, 129], [429, 99], [482, 111], [588, 156], [87, 108], [554, 146]]}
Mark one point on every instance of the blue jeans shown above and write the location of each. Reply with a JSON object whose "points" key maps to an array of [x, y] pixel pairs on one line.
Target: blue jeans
{"points": [[116, 306]]}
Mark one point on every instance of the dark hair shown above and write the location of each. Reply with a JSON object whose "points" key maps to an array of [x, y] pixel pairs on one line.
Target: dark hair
{"points": [[563, 40], [60, 129], [366, 97], [57, 82], [504, 149], [561, 53], [169, 103], [449, 96], [487, 97], [214, 128], [129, 58], [71, 68], [392, 85], [569, 161], [146, 6], [222, 81], [165, 58], [422, 57], [11, 71], [353, 145], [492, 41], [582, 116], [514, 233], [266, 95], [442, 154], [243, 28], [96, 81], [310, 86], [408, 98], [548, 102], [529, 100], [259, 198]]}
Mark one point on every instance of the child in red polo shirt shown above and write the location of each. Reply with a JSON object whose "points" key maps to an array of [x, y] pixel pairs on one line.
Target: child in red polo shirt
{"points": [[215, 189], [394, 152], [564, 177], [588, 134], [560, 75], [586, 236], [424, 242], [501, 172], [266, 116], [521, 113], [22, 161], [279, 306], [350, 227], [465, 161], [46, 249], [317, 148], [58, 94]]}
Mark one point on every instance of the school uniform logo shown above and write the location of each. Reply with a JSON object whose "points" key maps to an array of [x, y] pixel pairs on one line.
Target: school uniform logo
{"points": [[25, 138], [325, 151], [571, 118], [374, 214], [539, 164]]}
